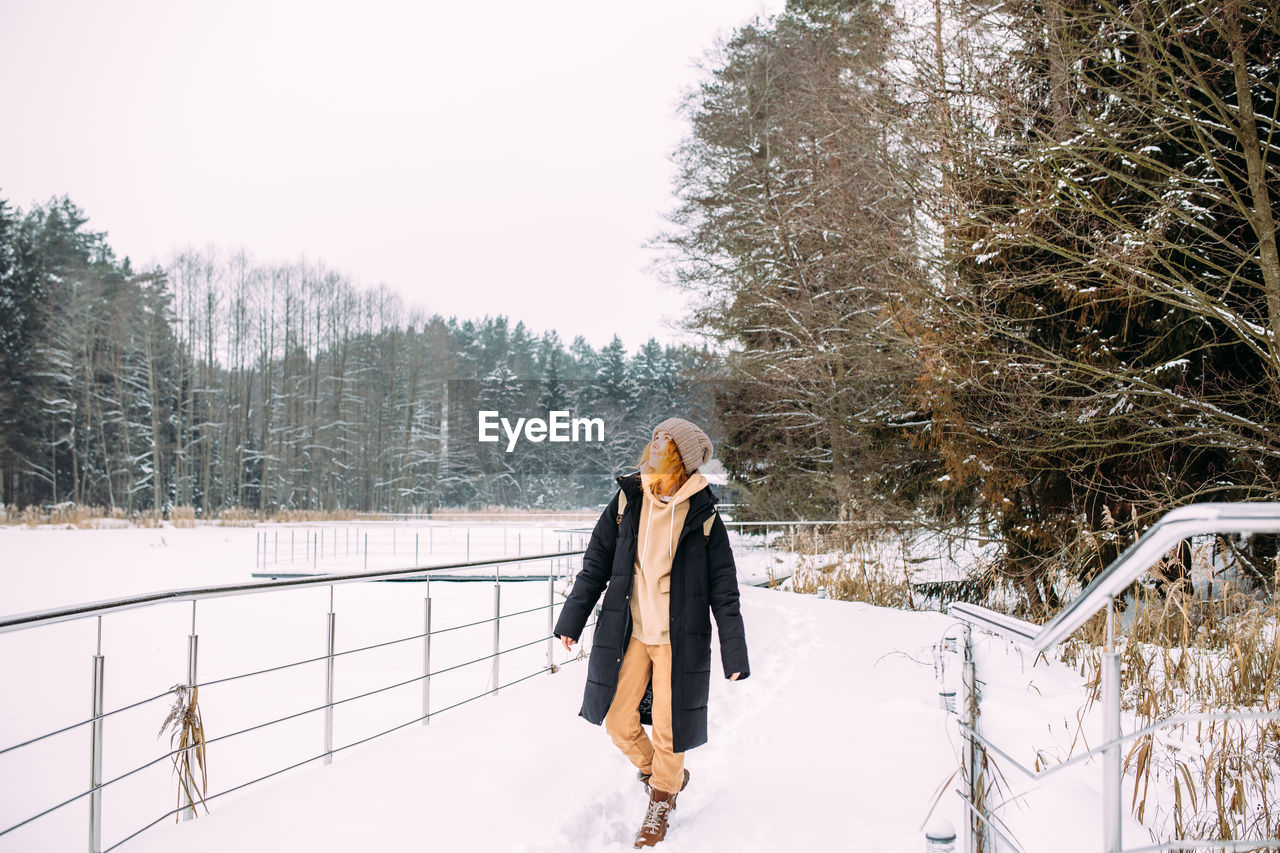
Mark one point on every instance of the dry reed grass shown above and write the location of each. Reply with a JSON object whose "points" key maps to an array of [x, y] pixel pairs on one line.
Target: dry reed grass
{"points": [[187, 737], [851, 564], [183, 516], [1185, 653], [72, 515]]}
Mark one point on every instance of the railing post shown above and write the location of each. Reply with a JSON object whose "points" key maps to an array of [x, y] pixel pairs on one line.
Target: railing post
{"points": [[976, 834], [95, 749], [1111, 768], [257, 549], [366, 551], [551, 622], [328, 687], [426, 662], [193, 643], [497, 610]]}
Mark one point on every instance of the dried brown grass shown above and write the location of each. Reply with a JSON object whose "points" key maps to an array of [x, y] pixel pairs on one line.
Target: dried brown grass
{"points": [[186, 727], [851, 564], [1183, 653]]}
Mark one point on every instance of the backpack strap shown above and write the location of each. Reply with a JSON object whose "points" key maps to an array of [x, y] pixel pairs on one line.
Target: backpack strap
{"points": [[706, 527], [622, 504]]}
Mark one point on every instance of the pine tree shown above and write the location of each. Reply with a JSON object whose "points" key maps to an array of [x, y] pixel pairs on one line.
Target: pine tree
{"points": [[22, 299], [795, 235]]}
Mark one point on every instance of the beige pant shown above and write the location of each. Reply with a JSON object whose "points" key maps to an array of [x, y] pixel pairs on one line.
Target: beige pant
{"points": [[623, 720]]}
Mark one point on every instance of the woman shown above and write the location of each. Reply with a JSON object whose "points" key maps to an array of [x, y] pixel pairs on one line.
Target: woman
{"points": [[668, 567]]}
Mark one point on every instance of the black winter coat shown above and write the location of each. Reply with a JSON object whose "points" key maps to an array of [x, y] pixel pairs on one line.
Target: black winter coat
{"points": [[704, 582]]}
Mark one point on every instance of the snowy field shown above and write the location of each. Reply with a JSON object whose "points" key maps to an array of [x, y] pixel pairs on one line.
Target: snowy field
{"points": [[837, 737]]}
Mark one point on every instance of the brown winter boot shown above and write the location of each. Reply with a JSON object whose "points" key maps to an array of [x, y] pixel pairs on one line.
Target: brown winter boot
{"points": [[644, 780], [654, 828]]}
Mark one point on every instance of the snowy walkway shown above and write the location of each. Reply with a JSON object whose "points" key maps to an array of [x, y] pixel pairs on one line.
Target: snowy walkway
{"points": [[834, 743]]}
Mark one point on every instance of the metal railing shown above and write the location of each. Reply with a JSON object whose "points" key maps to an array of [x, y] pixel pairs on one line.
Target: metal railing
{"points": [[560, 564], [1137, 559], [306, 545]]}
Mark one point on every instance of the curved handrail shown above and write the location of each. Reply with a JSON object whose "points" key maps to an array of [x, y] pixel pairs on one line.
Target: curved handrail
{"points": [[1138, 558], [1176, 525], [98, 608]]}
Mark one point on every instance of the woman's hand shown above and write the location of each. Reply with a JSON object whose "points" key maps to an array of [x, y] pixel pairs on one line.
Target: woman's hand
{"points": [[568, 642], [733, 677]]}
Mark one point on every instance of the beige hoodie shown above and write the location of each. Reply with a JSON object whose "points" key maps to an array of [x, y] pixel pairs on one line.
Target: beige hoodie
{"points": [[660, 524]]}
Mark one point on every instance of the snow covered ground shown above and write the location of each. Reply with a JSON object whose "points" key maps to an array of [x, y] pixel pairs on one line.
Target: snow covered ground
{"points": [[807, 754], [836, 742]]}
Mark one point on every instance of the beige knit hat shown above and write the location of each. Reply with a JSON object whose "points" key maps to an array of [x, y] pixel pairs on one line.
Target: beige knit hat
{"points": [[693, 444]]}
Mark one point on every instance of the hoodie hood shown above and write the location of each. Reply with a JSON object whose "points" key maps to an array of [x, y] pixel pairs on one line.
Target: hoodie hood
{"points": [[667, 507]]}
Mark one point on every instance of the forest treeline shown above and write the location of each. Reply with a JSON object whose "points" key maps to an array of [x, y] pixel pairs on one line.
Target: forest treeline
{"points": [[218, 383], [1005, 265]]}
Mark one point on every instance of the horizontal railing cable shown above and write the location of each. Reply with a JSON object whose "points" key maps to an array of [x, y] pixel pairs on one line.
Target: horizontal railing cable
{"points": [[102, 716], [296, 765], [288, 717], [322, 658], [173, 812], [40, 618], [103, 786], [266, 671], [1174, 720], [272, 669], [376, 691], [419, 719], [1009, 758], [989, 823]]}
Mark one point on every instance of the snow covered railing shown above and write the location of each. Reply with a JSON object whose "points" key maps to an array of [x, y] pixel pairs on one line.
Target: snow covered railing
{"points": [[559, 565], [997, 623], [1175, 526]]}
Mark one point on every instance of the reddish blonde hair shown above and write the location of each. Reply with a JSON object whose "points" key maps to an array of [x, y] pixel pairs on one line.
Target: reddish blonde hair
{"points": [[669, 474]]}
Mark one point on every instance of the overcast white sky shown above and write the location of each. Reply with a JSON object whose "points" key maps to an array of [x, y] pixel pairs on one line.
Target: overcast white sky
{"points": [[479, 158]]}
